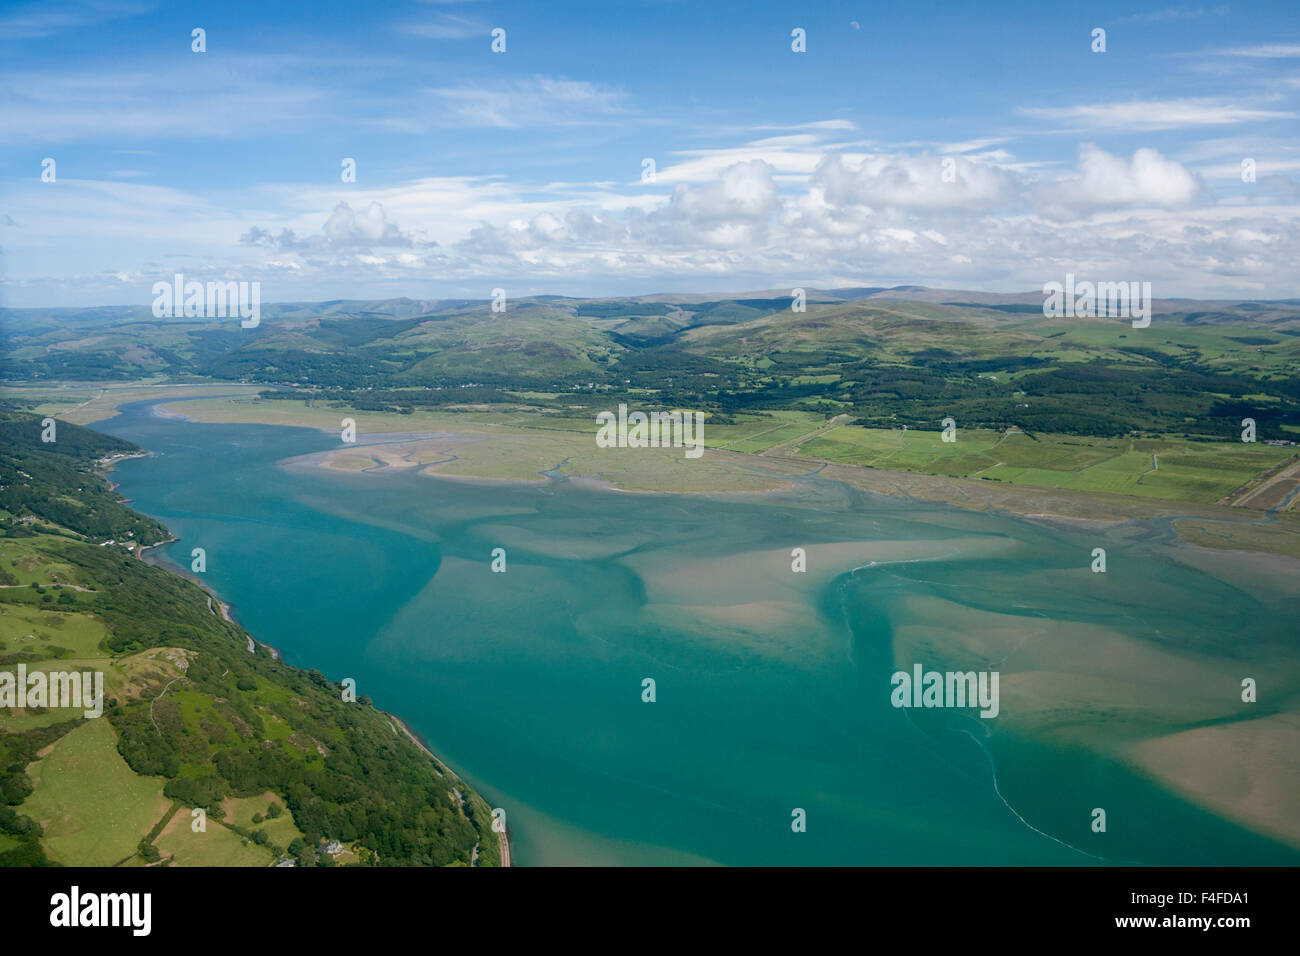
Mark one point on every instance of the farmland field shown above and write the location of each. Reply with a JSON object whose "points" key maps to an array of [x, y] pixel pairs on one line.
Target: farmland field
{"points": [[1155, 468], [93, 807]]}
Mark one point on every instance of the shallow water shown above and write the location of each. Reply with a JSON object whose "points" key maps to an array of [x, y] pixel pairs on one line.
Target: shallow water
{"points": [[773, 688]]}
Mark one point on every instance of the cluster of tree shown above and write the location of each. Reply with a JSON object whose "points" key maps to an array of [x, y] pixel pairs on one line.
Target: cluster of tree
{"points": [[57, 481], [17, 750]]}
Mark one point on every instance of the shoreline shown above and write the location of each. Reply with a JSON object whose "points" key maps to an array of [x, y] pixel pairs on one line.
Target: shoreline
{"points": [[1140, 509], [1046, 504], [503, 838], [1044, 516]]}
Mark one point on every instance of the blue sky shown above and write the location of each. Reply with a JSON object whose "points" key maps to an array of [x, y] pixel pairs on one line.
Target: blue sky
{"points": [[523, 169]]}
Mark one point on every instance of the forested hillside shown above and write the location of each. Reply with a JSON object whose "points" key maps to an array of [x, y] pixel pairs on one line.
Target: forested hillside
{"points": [[279, 762]]}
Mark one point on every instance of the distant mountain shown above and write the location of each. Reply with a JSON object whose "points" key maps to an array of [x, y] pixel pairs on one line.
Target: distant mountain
{"points": [[883, 355]]}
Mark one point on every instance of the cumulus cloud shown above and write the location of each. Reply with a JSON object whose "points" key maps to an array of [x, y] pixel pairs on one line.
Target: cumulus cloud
{"points": [[1105, 181], [891, 217], [916, 182], [851, 219], [371, 228], [896, 215], [345, 228], [744, 193]]}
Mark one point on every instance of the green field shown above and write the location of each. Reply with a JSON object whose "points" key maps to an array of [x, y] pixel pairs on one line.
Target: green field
{"points": [[281, 830], [93, 807], [50, 633], [214, 846], [520, 444], [21, 562], [1155, 468], [50, 640]]}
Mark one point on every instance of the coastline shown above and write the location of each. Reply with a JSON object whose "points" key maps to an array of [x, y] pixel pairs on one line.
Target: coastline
{"points": [[1061, 509], [503, 838], [1238, 529], [1156, 754], [106, 464]]}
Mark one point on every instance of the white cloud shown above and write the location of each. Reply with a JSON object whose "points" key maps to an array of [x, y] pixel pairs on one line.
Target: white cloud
{"points": [[864, 219], [1270, 51], [915, 181], [43, 19], [1154, 114], [240, 96], [1174, 13], [1104, 181], [834, 124], [744, 195], [788, 156], [445, 26], [345, 228], [540, 100]]}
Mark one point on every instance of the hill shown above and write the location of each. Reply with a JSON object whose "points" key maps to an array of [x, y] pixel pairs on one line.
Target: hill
{"points": [[196, 714], [886, 357]]}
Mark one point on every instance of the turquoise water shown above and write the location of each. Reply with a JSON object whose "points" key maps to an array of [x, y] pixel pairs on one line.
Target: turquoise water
{"points": [[529, 682]]}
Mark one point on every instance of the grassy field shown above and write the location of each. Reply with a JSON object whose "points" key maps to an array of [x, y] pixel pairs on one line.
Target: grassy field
{"points": [[83, 404], [93, 808], [51, 640], [1059, 474], [52, 634], [29, 565], [215, 846], [525, 443], [1229, 348], [1156, 468], [521, 445], [280, 830], [1233, 536]]}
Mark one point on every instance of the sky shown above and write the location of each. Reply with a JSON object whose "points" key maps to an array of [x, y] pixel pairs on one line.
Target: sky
{"points": [[956, 145]]}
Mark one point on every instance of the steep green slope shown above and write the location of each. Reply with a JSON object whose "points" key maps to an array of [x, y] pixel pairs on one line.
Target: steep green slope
{"points": [[193, 717]]}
